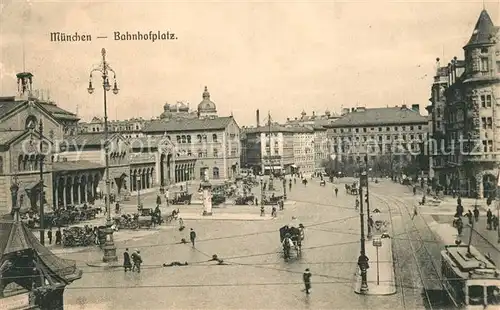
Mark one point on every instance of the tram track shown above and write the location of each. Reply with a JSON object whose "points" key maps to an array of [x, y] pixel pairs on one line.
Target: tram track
{"points": [[430, 276]]}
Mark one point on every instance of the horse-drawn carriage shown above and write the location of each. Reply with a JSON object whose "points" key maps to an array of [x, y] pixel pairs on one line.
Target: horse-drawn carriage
{"points": [[272, 200], [291, 238], [77, 236], [351, 189], [244, 200], [180, 198]]}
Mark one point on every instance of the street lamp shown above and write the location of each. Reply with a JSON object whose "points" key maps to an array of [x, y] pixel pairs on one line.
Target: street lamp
{"points": [[104, 69], [284, 188], [139, 206]]}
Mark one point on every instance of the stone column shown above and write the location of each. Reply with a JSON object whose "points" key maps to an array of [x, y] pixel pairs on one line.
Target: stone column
{"points": [[207, 198], [85, 190], [65, 197], [80, 186], [479, 185], [56, 194]]}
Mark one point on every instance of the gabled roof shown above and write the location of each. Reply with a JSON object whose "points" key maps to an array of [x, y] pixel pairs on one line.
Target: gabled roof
{"points": [[16, 236], [484, 30], [179, 125], [7, 137], [57, 112], [379, 116]]}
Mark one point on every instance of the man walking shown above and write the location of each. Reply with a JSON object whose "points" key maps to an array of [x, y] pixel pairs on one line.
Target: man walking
{"points": [[127, 265], [49, 235], [307, 281], [336, 191], [192, 236]]}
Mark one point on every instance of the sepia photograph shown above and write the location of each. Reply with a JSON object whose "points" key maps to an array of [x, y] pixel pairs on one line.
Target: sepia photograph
{"points": [[249, 154]]}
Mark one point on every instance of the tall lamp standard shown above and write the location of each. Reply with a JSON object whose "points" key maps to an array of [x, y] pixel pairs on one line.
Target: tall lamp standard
{"points": [[139, 206], [104, 69]]}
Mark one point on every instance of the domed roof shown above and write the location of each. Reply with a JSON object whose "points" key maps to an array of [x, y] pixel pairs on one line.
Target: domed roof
{"points": [[206, 105]]}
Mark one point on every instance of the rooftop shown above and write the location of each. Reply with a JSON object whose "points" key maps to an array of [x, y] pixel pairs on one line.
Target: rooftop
{"points": [[379, 116], [484, 31], [89, 139], [180, 125]]}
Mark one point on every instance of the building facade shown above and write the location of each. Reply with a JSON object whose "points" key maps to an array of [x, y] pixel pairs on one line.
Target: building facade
{"points": [[303, 150], [131, 128], [468, 159], [207, 144], [390, 137], [269, 149]]}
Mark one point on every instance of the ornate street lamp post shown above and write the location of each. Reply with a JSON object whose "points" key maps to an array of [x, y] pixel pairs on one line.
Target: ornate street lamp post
{"points": [[139, 206], [104, 69]]}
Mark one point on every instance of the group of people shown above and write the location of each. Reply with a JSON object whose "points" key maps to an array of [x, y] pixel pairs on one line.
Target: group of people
{"points": [[132, 262]]}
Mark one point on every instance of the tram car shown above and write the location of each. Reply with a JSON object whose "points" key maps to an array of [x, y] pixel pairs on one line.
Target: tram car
{"points": [[471, 279]]}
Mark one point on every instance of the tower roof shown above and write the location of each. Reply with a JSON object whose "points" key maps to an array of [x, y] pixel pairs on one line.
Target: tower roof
{"points": [[206, 105], [483, 31]]}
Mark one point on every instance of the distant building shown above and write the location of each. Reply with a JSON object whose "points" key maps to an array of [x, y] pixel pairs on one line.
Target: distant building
{"points": [[394, 133], [131, 128], [178, 110], [204, 144], [312, 119], [268, 149]]}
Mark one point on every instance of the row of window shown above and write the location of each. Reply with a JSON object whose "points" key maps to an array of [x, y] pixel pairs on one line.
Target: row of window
{"points": [[387, 138], [380, 129], [487, 122]]}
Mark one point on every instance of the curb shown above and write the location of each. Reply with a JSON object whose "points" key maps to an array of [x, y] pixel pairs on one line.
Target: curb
{"points": [[101, 264]]}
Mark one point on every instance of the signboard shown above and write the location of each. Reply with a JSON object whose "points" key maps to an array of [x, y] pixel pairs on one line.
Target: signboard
{"points": [[377, 242], [17, 302]]}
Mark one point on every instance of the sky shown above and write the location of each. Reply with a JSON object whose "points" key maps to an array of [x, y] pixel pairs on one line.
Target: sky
{"points": [[278, 56]]}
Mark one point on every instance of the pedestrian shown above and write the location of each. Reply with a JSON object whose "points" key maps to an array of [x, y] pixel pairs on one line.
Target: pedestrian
{"points": [[307, 281], [489, 219], [158, 200], [370, 222], [127, 265], [414, 190], [460, 226], [476, 213], [336, 191], [58, 236], [356, 205], [167, 194], [181, 224], [49, 235], [256, 201], [273, 211], [137, 260], [294, 180], [117, 208], [262, 211], [495, 222], [290, 185], [470, 217], [460, 209], [192, 236], [415, 212]]}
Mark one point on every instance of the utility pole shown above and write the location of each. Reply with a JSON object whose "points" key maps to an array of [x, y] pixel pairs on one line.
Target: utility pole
{"points": [[369, 235], [42, 213], [362, 260], [271, 162]]}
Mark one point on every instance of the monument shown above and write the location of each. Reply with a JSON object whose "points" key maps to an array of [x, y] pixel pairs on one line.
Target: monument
{"points": [[206, 187]]}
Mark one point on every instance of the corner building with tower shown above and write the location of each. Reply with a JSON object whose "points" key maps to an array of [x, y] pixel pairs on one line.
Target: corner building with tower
{"points": [[464, 116]]}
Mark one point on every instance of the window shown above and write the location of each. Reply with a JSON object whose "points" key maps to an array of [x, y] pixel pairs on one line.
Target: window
{"points": [[396, 128], [357, 130], [189, 153], [1, 165], [216, 153], [364, 129], [198, 138], [215, 172], [484, 65], [411, 128], [188, 139], [489, 122], [486, 101], [214, 137], [183, 139], [388, 129], [178, 139], [419, 127], [483, 122], [200, 153], [204, 138], [380, 129]]}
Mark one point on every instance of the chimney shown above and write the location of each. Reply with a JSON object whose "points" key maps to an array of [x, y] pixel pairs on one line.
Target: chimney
{"points": [[257, 115], [415, 107]]}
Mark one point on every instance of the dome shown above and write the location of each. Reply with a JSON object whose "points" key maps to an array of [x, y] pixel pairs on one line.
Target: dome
{"points": [[206, 105]]}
